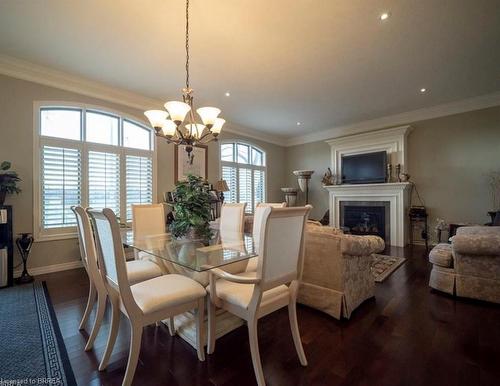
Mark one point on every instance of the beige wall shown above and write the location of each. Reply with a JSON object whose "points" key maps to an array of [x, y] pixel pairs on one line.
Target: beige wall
{"points": [[448, 160], [16, 145]]}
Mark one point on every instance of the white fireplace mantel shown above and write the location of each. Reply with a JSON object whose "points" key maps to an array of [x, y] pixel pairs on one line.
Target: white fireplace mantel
{"points": [[395, 193]]}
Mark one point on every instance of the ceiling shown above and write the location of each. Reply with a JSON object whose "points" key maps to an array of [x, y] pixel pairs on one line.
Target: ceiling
{"points": [[321, 63]]}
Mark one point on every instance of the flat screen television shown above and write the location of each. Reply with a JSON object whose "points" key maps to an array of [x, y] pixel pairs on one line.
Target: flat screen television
{"points": [[368, 168]]}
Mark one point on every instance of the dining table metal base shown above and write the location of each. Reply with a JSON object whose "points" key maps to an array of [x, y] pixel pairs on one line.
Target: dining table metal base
{"points": [[185, 326]]}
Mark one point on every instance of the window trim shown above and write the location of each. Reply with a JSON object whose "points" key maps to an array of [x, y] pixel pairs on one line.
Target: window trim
{"points": [[63, 233], [237, 165]]}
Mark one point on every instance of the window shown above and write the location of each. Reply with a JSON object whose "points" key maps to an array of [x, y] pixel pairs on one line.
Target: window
{"points": [[243, 167], [89, 157]]}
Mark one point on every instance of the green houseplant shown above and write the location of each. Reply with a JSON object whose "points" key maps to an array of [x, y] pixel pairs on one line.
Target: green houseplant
{"points": [[8, 181], [191, 210]]}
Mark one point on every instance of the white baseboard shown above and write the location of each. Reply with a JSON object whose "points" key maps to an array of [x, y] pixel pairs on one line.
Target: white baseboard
{"points": [[50, 268]]}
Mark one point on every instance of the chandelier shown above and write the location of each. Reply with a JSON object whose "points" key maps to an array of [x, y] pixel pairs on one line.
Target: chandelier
{"points": [[178, 124]]}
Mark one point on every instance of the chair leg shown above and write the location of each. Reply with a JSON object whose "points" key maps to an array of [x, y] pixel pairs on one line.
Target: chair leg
{"points": [[171, 326], [211, 326], [90, 304], [200, 325], [254, 349], [292, 315], [133, 356], [113, 331], [101, 308]]}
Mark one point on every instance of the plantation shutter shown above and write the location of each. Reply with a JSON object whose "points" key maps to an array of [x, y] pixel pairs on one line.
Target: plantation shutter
{"points": [[139, 182], [60, 186], [104, 181], [229, 175], [245, 188], [258, 187]]}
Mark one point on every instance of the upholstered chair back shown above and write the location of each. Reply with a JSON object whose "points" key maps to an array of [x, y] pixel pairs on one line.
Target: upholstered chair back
{"points": [[258, 216], [111, 254], [282, 245], [86, 243], [148, 219], [232, 218]]}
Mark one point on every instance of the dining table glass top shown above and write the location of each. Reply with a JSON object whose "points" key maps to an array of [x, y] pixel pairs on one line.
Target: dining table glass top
{"points": [[224, 248]]}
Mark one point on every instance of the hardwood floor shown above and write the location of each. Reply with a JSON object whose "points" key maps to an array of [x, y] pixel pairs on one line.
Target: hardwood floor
{"points": [[406, 335]]}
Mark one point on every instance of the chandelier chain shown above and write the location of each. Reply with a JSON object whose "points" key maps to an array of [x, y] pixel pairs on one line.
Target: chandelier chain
{"points": [[187, 44]]}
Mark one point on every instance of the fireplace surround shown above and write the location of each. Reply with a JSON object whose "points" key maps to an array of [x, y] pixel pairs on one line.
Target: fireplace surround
{"points": [[393, 194]]}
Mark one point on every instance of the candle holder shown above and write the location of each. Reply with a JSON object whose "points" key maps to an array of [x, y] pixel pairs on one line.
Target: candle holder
{"points": [[24, 243]]}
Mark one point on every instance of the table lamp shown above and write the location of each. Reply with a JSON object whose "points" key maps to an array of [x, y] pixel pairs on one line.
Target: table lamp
{"points": [[221, 187]]}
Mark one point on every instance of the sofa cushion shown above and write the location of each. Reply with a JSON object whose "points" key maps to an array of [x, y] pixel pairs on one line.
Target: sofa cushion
{"points": [[442, 255]]}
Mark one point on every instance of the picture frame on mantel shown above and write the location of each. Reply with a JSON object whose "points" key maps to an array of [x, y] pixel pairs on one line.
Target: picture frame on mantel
{"points": [[183, 167]]}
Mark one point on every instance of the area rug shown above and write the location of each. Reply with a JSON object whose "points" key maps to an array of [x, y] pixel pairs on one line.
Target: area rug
{"points": [[383, 266], [32, 349]]}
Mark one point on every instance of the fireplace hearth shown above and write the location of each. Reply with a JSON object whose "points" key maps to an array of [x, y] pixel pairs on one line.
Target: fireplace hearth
{"points": [[366, 218]]}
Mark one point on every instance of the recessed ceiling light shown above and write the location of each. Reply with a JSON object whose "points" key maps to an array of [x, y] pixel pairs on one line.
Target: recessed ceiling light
{"points": [[423, 89], [228, 94], [298, 123], [384, 16]]}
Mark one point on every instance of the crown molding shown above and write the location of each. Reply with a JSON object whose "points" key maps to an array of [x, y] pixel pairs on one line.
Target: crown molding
{"points": [[457, 107], [24, 70]]}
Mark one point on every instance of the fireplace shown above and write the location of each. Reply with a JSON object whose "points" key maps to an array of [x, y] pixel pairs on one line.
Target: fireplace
{"points": [[366, 218]]}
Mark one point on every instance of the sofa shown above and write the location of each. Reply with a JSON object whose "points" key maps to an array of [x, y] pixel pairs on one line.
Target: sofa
{"points": [[336, 275], [469, 266]]}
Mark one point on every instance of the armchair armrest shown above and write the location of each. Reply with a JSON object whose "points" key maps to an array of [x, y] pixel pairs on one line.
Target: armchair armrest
{"points": [[234, 278], [476, 244], [361, 245]]}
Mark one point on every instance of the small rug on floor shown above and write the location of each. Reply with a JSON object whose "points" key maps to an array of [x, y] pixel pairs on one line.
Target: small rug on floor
{"points": [[383, 266], [32, 349]]}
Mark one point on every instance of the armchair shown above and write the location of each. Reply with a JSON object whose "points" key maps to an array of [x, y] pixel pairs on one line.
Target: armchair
{"points": [[336, 276], [470, 265]]}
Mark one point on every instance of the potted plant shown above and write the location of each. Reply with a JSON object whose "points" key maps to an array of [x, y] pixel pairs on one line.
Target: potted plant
{"points": [[8, 181], [494, 183], [191, 210]]}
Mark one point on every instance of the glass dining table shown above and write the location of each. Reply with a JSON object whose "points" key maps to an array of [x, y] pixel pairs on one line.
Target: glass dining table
{"points": [[194, 258], [195, 255]]}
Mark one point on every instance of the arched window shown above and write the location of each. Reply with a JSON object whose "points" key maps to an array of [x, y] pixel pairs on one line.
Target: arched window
{"points": [[88, 156], [243, 167]]}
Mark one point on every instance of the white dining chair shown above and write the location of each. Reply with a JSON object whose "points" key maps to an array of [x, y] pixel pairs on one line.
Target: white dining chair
{"points": [[256, 227], [252, 295], [137, 271], [143, 303], [232, 218], [148, 219]]}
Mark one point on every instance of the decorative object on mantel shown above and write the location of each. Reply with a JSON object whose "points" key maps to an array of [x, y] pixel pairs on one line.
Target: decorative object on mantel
{"points": [[8, 181], [404, 177], [197, 166], [328, 178], [290, 196], [192, 210], [192, 133], [389, 172], [221, 187], [24, 244], [383, 266], [303, 177]]}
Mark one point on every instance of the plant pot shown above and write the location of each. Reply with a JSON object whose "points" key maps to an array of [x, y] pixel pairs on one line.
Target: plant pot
{"points": [[3, 194]]}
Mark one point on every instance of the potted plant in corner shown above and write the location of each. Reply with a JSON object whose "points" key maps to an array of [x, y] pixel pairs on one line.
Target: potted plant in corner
{"points": [[494, 183], [191, 210], [8, 181]]}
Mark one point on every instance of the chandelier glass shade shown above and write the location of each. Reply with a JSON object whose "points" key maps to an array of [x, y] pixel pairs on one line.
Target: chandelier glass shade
{"points": [[178, 124]]}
